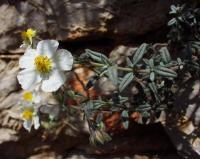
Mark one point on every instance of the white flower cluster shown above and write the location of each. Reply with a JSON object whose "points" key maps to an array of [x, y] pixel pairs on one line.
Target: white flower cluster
{"points": [[29, 110], [43, 69]]}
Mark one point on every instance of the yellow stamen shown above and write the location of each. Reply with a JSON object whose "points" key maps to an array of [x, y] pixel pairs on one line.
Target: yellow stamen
{"points": [[43, 64], [28, 96], [27, 114], [28, 35]]}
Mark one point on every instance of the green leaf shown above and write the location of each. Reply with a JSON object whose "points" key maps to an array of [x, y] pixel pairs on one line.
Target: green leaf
{"points": [[70, 93], [151, 63], [145, 114], [125, 124], [125, 114], [146, 61], [165, 54], [196, 45], [129, 63], [123, 99], [126, 81], [99, 118], [139, 53], [173, 9], [92, 105], [172, 22], [143, 107], [125, 118], [180, 63], [88, 107], [96, 56], [97, 104], [152, 76], [153, 88], [113, 74], [165, 72]]}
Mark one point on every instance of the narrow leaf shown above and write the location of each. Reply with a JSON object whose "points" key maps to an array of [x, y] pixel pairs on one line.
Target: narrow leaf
{"points": [[96, 56], [151, 63], [153, 88], [125, 114], [144, 107], [125, 119], [126, 81], [165, 54], [171, 22], [166, 72], [113, 74], [152, 76], [125, 124], [139, 53], [129, 63]]}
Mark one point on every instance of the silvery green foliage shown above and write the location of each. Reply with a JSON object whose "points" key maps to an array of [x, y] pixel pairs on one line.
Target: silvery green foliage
{"points": [[148, 80], [153, 72], [184, 34]]}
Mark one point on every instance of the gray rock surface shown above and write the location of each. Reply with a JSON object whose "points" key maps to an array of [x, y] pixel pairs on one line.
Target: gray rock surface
{"points": [[183, 124], [68, 20]]}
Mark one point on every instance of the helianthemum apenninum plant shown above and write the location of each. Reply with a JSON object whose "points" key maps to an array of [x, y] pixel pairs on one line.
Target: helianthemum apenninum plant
{"points": [[145, 84]]}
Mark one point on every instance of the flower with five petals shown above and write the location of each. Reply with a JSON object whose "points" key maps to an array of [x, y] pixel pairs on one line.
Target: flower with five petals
{"points": [[44, 65]]}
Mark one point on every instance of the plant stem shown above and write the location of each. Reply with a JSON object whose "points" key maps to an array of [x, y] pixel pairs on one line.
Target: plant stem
{"points": [[127, 69]]}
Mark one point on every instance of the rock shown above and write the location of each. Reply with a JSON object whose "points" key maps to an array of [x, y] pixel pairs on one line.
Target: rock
{"points": [[8, 42], [120, 53], [183, 123], [8, 78], [81, 155], [8, 24], [7, 135], [75, 20], [50, 155], [8, 18], [2, 65]]}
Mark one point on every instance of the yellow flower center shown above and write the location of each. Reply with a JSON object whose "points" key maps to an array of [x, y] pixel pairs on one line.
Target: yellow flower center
{"points": [[43, 64], [29, 34], [28, 96], [27, 114]]}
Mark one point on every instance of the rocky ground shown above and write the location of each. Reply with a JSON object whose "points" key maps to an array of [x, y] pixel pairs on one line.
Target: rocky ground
{"points": [[110, 26]]}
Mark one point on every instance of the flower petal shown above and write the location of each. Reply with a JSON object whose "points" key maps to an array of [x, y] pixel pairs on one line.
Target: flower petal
{"points": [[27, 125], [27, 60], [36, 122], [63, 60], [28, 79], [56, 79], [37, 98], [47, 47]]}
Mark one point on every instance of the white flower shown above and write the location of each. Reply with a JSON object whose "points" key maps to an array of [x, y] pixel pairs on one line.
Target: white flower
{"points": [[30, 117], [44, 64], [29, 109], [32, 97], [27, 37]]}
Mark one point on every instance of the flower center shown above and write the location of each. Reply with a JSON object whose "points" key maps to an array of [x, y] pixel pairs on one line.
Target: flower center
{"points": [[43, 64], [27, 96], [28, 35], [27, 114]]}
